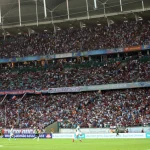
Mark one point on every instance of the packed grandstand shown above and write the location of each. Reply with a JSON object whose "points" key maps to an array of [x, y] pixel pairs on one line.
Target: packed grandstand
{"points": [[90, 59], [128, 107], [121, 35]]}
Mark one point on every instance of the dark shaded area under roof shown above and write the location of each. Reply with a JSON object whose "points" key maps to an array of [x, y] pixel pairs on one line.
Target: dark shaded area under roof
{"points": [[77, 8], [10, 13]]}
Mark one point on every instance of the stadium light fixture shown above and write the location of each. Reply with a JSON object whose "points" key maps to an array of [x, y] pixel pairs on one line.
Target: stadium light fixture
{"points": [[99, 24], [58, 28], [71, 27], [125, 19], [7, 33], [83, 25], [140, 18], [45, 12]]}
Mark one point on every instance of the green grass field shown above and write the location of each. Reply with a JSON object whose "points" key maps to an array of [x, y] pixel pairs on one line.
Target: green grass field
{"points": [[67, 144]]}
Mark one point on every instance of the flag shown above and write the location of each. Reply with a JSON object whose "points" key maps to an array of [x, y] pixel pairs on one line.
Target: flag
{"points": [[14, 97]]}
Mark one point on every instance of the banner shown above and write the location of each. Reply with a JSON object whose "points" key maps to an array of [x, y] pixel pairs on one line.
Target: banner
{"points": [[2, 93], [87, 130], [43, 135], [106, 51], [65, 55], [113, 135], [117, 86], [133, 48], [98, 52], [64, 89], [62, 136], [20, 131], [76, 54], [145, 47], [59, 90], [82, 136], [138, 129], [106, 130], [38, 91], [28, 58], [81, 88], [17, 92], [148, 135]]}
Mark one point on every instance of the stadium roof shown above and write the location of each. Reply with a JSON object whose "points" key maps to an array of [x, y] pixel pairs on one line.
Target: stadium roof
{"points": [[32, 11]]}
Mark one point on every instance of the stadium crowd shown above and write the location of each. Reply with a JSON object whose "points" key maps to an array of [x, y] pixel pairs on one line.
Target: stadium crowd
{"points": [[131, 70], [130, 107], [72, 40]]}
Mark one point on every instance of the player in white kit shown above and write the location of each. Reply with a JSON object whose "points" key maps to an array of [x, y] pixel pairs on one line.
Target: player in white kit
{"points": [[12, 134], [78, 133]]}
